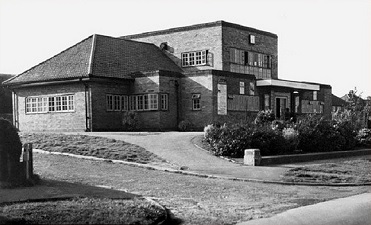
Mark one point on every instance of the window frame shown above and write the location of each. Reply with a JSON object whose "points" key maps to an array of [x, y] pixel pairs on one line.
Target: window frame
{"points": [[196, 102], [50, 103], [194, 58], [164, 98]]}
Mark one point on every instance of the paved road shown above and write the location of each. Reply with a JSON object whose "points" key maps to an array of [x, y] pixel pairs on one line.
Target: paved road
{"points": [[354, 210], [177, 148]]}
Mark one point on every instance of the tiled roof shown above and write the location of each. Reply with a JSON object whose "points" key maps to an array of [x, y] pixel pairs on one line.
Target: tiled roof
{"points": [[115, 57], [98, 56], [220, 23], [70, 63], [336, 101]]}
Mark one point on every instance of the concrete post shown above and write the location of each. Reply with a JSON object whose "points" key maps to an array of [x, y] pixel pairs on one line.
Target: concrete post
{"points": [[252, 157], [27, 159]]}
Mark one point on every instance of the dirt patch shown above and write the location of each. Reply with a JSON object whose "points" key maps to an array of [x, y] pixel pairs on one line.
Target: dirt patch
{"points": [[352, 171], [90, 146]]}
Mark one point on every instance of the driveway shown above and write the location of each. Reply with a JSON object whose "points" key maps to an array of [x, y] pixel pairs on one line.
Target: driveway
{"points": [[177, 148]]}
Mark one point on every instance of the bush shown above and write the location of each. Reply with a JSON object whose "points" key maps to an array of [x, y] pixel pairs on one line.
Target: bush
{"points": [[265, 116], [292, 138], [319, 135], [364, 137], [10, 151], [184, 125], [269, 141], [130, 121]]}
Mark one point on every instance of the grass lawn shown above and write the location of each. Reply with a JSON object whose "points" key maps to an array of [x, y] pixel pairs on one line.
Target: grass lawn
{"points": [[352, 171], [90, 146], [192, 200], [84, 211]]}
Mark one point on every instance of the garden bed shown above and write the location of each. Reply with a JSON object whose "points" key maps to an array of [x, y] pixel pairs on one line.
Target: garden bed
{"points": [[90, 146]]}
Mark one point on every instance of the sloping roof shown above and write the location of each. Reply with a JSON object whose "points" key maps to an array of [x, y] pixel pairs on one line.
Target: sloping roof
{"points": [[70, 63], [4, 77], [336, 101], [98, 56], [115, 57], [219, 23]]}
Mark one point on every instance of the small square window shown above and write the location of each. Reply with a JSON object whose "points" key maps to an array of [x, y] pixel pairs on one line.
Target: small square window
{"points": [[252, 39]]}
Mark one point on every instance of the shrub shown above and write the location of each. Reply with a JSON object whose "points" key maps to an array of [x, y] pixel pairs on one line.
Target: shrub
{"points": [[265, 116], [319, 135], [10, 151], [348, 131], [364, 137], [185, 125], [269, 141], [292, 138], [130, 121]]}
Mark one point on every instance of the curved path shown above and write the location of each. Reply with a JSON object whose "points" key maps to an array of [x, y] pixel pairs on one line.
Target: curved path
{"points": [[177, 148]]}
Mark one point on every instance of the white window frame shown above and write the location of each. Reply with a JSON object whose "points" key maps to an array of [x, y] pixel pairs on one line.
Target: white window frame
{"points": [[196, 102], [315, 95], [195, 58], [50, 103], [252, 88], [164, 101], [242, 88], [153, 101]]}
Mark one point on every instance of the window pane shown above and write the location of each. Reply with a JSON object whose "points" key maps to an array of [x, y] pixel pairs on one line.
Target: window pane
{"points": [[51, 104]]}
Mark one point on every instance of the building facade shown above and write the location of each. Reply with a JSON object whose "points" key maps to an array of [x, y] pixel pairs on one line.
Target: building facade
{"points": [[205, 73]]}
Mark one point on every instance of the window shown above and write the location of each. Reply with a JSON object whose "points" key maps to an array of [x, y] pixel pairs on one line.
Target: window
{"points": [[254, 59], [195, 58], [140, 102], [117, 103], [252, 39], [196, 102], [266, 102], [153, 101], [132, 103], [164, 101], [252, 88], [314, 95], [109, 101], [124, 103], [63, 103], [242, 88]]}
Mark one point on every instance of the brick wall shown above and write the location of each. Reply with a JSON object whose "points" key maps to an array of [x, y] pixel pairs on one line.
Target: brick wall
{"points": [[52, 121], [101, 118], [207, 38], [238, 38]]}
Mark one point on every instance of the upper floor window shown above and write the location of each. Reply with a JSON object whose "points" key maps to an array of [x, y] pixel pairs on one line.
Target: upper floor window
{"points": [[252, 39], [242, 88], [314, 95], [255, 59], [196, 58], [59, 103]]}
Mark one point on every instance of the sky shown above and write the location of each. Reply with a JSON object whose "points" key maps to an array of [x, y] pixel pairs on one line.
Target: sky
{"points": [[322, 41]]}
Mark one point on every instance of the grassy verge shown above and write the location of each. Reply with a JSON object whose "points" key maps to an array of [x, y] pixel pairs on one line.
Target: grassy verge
{"points": [[84, 211], [90, 146], [353, 171]]}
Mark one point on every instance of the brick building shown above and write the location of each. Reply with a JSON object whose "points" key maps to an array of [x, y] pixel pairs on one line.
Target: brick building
{"points": [[203, 73]]}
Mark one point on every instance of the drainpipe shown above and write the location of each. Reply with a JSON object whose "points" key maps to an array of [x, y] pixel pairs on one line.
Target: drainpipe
{"points": [[178, 102], [88, 117]]}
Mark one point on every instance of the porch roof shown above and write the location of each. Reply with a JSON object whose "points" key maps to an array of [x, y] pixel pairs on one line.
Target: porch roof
{"points": [[288, 84]]}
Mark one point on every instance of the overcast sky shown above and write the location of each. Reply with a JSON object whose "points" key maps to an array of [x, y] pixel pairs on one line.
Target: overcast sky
{"points": [[323, 41]]}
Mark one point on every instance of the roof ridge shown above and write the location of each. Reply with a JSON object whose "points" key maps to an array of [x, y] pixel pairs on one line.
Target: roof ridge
{"points": [[47, 59], [123, 39]]}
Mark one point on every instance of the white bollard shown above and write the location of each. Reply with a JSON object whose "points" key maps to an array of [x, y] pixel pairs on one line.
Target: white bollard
{"points": [[252, 157]]}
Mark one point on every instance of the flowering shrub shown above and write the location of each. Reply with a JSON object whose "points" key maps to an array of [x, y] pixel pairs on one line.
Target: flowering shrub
{"points": [[292, 138], [364, 137], [265, 116]]}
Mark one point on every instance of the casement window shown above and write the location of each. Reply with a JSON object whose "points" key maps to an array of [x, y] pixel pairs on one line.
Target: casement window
{"points": [[117, 103], [252, 88], [44, 104], [153, 101], [164, 101], [196, 101], [248, 58], [242, 88], [132, 103], [124, 103], [252, 39], [140, 102], [314, 95], [196, 58]]}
